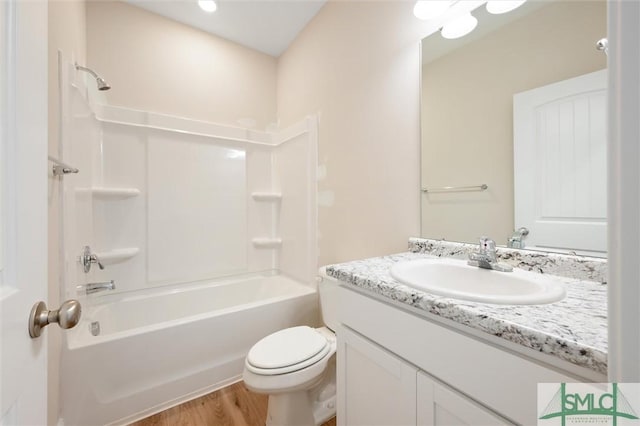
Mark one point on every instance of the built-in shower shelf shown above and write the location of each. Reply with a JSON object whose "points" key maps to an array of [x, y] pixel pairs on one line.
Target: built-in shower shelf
{"points": [[267, 243], [117, 255], [266, 196], [108, 193]]}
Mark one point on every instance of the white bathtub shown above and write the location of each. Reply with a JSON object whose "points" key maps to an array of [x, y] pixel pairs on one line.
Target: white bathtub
{"points": [[160, 349]]}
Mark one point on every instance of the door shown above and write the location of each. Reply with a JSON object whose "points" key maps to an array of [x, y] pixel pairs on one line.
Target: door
{"points": [[624, 189], [560, 174], [375, 387], [23, 211]]}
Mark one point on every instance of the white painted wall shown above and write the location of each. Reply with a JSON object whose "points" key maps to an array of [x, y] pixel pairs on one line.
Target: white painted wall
{"points": [[357, 64], [158, 65]]}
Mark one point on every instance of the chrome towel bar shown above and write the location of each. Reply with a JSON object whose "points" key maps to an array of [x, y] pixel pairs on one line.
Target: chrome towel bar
{"points": [[482, 187], [60, 168]]}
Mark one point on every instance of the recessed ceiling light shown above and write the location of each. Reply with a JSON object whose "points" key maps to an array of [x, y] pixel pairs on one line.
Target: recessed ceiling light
{"points": [[430, 9], [498, 7], [459, 27], [208, 5]]}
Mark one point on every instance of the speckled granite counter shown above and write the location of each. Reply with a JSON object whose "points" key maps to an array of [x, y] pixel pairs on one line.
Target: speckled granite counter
{"points": [[574, 329]]}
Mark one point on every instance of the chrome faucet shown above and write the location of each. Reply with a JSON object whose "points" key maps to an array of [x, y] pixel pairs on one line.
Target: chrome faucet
{"points": [[87, 258], [487, 258], [91, 288], [516, 240]]}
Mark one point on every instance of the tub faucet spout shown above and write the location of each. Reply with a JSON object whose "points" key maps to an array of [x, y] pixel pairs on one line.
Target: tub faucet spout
{"points": [[91, 288]]}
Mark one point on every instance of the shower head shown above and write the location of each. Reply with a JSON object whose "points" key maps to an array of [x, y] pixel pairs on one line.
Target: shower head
{"points": [[102, 85]]}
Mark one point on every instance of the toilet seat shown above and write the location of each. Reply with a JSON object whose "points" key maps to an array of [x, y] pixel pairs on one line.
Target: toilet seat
{"points": [[287, 350]]}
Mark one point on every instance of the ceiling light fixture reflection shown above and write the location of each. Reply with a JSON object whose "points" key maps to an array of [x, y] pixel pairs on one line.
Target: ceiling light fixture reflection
{"points": [[460, 26], [209, 6], [498, 7], [430, 9]]}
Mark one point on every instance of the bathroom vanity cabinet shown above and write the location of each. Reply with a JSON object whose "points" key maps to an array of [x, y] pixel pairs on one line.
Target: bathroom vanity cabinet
{"points": [[379, 388], [439, 405], [401, 367]]}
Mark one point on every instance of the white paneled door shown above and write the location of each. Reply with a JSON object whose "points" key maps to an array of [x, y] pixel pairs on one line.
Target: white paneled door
{"points": [[23, 212], [560, 175]]}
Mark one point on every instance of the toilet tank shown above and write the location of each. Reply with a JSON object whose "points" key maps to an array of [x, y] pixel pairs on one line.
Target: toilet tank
{"points": [[328, 291]]}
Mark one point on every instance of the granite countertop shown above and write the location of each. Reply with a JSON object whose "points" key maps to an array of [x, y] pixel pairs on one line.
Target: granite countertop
{"points": [[573, 329]]}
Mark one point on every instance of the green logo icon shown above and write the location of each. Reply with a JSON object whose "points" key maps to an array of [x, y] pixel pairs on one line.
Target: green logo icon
{"points": [[565, 404]]}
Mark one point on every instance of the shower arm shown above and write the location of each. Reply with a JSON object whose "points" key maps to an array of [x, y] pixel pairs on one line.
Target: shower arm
{"points": [[89, 70], [102, 85]]}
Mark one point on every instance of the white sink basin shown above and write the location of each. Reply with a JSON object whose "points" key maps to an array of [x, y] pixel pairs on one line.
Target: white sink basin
{"points": [[455, 279]]}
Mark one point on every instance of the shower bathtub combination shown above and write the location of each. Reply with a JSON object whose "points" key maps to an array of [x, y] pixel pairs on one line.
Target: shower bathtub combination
{"points": [[208, 233], [160, 349]]}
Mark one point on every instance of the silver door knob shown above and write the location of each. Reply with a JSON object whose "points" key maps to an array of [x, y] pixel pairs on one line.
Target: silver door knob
{"points": [[66, 317]]}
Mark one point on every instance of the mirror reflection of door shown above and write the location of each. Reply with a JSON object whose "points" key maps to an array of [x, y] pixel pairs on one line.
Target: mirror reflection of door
{"points": [[560, 171], [468, 85]]}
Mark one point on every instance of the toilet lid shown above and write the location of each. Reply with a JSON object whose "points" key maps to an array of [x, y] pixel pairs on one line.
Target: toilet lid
{"points": [[286, 348]]}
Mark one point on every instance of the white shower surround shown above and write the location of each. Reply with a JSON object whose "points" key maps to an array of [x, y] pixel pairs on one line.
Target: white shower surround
{"points": [[169, 339], [185, 200]]}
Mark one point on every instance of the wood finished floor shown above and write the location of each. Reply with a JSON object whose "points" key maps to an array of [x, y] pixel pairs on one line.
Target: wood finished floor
{"points": [[232, 406]]}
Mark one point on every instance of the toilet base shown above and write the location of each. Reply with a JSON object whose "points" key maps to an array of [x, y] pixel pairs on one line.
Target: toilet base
{"points": [[324, 410], [310, 407], [290, 409], [296, 409]]}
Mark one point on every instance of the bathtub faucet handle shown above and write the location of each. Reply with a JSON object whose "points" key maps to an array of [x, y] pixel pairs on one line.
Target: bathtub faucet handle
{"points": [[95, 259], [87, 258]]}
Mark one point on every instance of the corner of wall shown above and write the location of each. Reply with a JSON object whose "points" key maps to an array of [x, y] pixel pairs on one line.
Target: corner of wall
{"points": [[364, 80]]}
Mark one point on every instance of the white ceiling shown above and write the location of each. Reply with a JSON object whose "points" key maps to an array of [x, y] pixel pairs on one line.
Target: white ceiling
{"points": [[268, 26]]}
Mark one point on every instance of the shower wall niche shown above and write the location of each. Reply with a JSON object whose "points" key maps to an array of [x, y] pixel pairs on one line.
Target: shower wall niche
{"points": [[165, 201]]}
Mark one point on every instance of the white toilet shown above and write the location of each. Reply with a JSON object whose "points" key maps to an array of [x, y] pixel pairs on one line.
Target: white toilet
{"points": [[296, 367]]}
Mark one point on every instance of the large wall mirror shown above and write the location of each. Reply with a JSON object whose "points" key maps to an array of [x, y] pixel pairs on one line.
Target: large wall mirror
{"points": [[518, 105]]}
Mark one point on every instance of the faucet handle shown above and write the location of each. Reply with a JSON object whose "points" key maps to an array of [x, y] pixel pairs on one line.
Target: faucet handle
{"points": [[87, 258], [487, 244], [94, 259], [516, 240]]}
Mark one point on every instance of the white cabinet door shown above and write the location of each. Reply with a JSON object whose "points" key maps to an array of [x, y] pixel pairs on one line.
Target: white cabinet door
{"points": [[437, 405], [374, 386]]}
